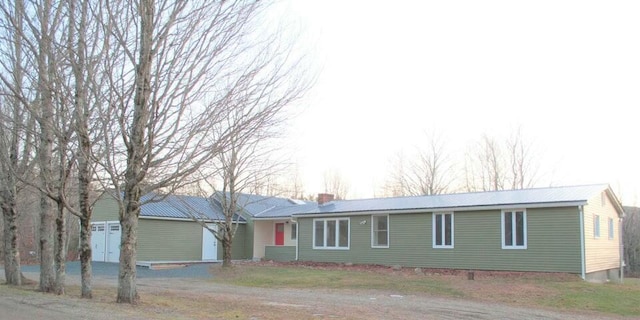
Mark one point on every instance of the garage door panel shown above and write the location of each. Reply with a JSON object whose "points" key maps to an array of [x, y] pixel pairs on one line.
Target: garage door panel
{"points": [[98, 244]]}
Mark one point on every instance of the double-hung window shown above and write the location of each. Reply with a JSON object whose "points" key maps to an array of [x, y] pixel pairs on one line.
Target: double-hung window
{"points": [[514, 229], [331, 233], [596, 226], [611, 228], [380, 231], [443, 230]]}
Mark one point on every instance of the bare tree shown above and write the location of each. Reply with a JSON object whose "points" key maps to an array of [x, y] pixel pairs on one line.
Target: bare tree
{"points": [[396, 184], [336, 184], [495, 165], [176, 69], [428, 172], [523, 161], [37, 29], [12, 160]]}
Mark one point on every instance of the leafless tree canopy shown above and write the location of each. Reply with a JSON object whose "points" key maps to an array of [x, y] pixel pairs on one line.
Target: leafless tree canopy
{"points": [[427, 171], [496, 165], [336, 184]]}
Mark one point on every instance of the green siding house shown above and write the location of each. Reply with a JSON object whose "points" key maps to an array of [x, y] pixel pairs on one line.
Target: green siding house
{"points": [[564, 229], [168, 233]]}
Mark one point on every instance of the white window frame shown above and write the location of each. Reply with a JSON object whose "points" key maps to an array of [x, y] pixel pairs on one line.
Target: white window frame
{"points": [[596, 226], [442, 232], [611, 228], [294, 235], [337, 239], [514, 246], [373, 245]]}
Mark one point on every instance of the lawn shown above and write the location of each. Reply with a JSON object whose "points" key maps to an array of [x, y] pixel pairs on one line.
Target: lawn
{"points": [[551, 291]]}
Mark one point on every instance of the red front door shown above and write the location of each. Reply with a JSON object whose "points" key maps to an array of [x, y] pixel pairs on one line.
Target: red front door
{"points": [[279, 234]]}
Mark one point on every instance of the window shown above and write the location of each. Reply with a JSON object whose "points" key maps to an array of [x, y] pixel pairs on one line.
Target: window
{"points": [[611, 228], [380, 231], [596, 226], [442, 230], [331, 233], [294, 231], [514, 229]]}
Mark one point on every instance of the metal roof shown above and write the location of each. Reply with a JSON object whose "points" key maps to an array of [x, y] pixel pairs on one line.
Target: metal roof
{"points": [[180, 207], [523, 197], [186, 207], [266, 207]]}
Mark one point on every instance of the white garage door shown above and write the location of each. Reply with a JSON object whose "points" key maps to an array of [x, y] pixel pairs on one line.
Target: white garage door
{"points": [[98, 242], [113, 242], [209, 244]]}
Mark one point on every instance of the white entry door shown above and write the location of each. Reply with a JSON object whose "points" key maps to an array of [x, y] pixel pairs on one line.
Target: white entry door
{"points": [[98, 243], [209, 244], [113, 242]]}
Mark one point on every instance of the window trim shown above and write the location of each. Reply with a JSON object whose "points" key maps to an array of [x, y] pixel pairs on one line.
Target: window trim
{"points": [[611, 228], [596, 226], [373, 245], [433, 230], [514, 246], [337, 221]]}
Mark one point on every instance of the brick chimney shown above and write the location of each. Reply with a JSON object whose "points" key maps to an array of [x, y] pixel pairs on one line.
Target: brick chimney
{"points": [[324, 198]]}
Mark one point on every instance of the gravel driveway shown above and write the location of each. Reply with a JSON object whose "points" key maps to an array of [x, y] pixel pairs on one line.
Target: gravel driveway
{"points": [[110, 270]]}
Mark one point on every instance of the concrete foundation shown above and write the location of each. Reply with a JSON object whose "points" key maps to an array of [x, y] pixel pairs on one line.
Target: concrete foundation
{"points": [[604, 276]]}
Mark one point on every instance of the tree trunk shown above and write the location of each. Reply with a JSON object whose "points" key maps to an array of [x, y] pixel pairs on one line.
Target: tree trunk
{"points": [[60, 250], [45, 151], [226, 253], [127, 292], [11, 252], [85, 258], [47, 275]]}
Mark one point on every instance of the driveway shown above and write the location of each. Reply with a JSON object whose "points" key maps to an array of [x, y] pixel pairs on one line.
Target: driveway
{"points": [[110, 270]]}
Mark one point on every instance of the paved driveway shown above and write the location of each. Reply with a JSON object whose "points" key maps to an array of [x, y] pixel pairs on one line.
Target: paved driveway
{"points": [[110, 270]]}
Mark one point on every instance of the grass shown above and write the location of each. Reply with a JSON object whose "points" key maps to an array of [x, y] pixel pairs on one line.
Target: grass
{"points": [[560, 292], [622, 299], [308, 278]]}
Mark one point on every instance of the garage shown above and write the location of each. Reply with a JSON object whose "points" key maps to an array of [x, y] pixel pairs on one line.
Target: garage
{"points": [[105, 241]]}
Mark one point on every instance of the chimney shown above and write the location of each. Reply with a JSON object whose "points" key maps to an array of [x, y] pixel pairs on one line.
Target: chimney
{"points": [[324, 198]]}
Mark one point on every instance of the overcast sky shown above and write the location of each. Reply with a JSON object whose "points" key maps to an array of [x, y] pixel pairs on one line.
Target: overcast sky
{"points": [[566, 72]]}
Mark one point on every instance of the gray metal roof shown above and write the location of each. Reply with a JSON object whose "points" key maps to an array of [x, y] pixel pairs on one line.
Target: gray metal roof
{"points": [[180, 207], [268, 207], [523, 197], [186, 207]]}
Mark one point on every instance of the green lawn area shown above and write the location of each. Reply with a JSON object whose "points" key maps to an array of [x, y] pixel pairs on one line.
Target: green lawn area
{"points": [[563, 292], [622, 299]]}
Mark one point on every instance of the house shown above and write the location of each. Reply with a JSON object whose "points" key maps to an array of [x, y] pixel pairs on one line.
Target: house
{"points": [[167, 231], [574, 229]]}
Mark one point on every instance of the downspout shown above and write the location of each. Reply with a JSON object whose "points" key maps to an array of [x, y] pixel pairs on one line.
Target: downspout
{"points": [[582, 250]]}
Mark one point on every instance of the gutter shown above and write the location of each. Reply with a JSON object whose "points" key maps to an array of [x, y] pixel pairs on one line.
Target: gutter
{"points": [[582, 249], [442, 209]]}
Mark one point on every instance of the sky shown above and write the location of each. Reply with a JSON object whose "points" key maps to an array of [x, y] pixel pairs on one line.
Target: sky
{"points": [[566, 72]]}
